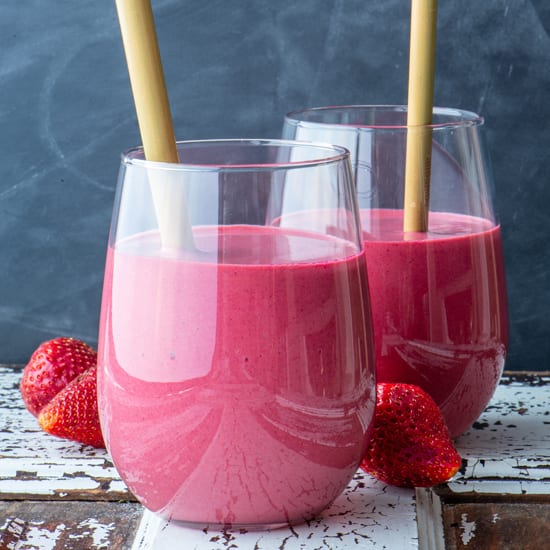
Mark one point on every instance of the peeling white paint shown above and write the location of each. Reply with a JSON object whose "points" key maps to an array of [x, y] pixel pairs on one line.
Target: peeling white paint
{"points": [[49, 487], [368, 514], [33, 462], [97, 531], [508, 452], [39, 538], [468, 529], [14, 527], [491, 486]]}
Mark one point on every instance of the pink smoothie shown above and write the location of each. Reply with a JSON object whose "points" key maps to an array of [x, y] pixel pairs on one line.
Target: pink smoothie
{"points": [[239, 392], [439, 308]]}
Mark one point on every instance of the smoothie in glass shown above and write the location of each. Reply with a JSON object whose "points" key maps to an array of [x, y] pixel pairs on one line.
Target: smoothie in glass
{"points": [[438, 298], [253, 406], [439, 308]]}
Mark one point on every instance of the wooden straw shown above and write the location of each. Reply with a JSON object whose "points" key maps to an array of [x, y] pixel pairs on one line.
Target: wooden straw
{"points": [[139, 37], [420, 106]]}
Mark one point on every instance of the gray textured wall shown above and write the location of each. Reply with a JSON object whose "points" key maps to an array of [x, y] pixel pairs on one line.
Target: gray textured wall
{"points": [[233, 69]]}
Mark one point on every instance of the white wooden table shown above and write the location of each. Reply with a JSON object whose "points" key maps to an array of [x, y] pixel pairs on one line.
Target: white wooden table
{"points": [[59, 495]]}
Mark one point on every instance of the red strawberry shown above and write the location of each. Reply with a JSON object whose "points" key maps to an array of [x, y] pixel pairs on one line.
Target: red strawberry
{"points": [[51, 367], [72, 413], [410, 445]]}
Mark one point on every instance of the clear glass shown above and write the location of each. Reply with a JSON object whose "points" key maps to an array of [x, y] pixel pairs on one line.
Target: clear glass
{"points": [[438, 298], [236, 372]]}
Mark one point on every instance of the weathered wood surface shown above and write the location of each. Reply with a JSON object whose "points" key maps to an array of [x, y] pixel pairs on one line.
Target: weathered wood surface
{"points": [[59, 525], [505, 481], [368, 514], [502, 522], [54, 494], [34, 465], [510, 442], [509, 448], [501, 497]]}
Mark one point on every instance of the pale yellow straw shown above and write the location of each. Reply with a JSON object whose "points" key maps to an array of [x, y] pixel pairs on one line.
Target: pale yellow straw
{"points": [[420, 106], [139, 37]]}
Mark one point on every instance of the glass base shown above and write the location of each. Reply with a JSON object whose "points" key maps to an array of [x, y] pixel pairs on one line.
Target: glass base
{"points": [[240, 527]]}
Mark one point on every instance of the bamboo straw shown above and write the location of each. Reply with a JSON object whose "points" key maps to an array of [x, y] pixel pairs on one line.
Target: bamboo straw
{"points": [[420, 106], [139, 37]]}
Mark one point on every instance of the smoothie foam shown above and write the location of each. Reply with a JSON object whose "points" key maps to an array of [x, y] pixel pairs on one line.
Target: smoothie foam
{"points": [[236, 389], [439, 308]]}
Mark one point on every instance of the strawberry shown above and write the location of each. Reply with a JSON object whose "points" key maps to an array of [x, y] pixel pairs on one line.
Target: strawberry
{"points": [[410, 445], [72, 413], [51, 367]]}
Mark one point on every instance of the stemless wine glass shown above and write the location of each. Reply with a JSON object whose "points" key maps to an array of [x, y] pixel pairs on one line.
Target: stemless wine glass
{"points": [[438, 297], [236, 371]]}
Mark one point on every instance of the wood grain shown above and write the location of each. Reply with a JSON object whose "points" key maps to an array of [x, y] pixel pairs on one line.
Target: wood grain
{"points": [[38, 466], [57, 495], [501, 497], [474, 521], [68, 525]]}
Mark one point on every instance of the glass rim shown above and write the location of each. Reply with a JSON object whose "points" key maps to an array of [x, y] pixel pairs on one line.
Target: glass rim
{"points": [[136, 156], [457, 118]]}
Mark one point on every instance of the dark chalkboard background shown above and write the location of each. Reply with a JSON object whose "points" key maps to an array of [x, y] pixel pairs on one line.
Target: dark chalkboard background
{"points": [[233, 69]]}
